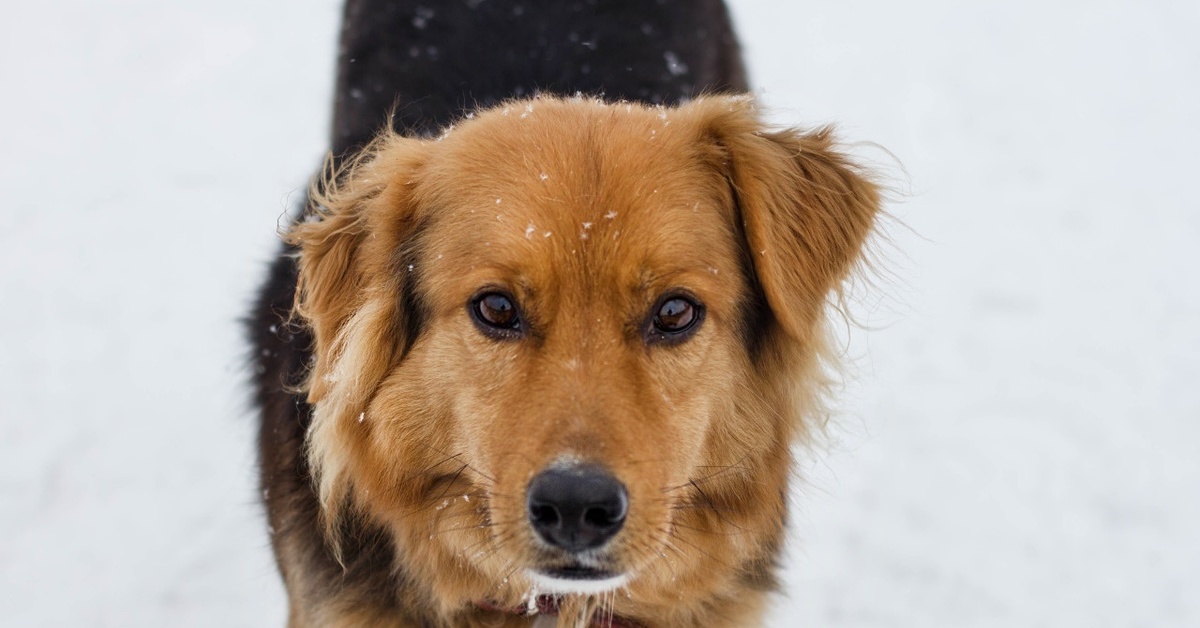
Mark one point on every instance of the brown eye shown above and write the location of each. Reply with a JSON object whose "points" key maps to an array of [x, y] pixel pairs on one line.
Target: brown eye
{"points": [[675, 319], [495, 313], [674, 316]]}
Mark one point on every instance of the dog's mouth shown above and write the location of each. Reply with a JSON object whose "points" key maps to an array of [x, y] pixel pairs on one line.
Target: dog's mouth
{"points": [[576, 578], [578, 572]]}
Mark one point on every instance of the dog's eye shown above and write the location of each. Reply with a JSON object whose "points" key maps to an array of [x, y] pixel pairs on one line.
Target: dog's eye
{"points": [[675, 319], [496, 314], [675, 315]]}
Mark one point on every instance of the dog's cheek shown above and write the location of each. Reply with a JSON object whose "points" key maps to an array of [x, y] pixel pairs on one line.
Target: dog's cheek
{"points": [[664, 450], [423, 479], [726, 461], [693, 385], [423, 410]]}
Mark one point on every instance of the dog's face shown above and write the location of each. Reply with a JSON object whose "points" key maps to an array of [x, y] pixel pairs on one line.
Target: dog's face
{"points": [[565, 348]]}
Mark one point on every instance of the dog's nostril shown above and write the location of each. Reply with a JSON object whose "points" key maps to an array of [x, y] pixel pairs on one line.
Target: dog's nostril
{"points": [[577, 508], [543, 515], [600, 516]]}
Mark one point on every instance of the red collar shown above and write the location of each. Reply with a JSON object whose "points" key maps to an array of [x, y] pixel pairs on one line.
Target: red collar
{"points": [[548, 605]]}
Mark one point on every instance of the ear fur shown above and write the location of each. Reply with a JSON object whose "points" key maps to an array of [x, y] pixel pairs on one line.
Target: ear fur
{"points": [[807, 210], [352, 247], [338, 274]]}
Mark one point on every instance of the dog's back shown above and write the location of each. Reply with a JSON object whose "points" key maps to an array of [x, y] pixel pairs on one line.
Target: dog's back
{"points": [[432, 61]]}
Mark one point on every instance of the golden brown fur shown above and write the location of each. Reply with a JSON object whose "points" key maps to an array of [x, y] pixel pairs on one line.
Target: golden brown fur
{"points": [[587, 212]]}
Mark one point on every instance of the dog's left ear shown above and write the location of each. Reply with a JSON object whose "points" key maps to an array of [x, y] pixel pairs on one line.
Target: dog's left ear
{"points": [[351, 282], [807, 210], [354, 291]]}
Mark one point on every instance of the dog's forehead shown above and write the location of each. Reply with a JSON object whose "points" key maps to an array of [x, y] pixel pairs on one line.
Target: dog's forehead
{"points": [[618, 195]]}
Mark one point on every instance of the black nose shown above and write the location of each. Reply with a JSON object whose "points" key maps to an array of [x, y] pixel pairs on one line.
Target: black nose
{"points": [[576, 508]]}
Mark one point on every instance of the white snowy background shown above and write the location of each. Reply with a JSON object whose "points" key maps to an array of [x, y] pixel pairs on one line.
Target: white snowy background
{"points": [[1019, 441]]}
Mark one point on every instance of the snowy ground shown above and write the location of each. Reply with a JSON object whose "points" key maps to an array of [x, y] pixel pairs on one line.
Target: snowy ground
{"points": [[1018, 446]]}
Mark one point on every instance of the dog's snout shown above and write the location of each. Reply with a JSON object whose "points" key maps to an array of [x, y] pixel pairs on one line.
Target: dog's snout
{"points": [[577, 508]]}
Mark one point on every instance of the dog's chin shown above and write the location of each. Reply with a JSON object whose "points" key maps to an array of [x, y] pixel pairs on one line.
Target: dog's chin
{"points": [[576, 579]]}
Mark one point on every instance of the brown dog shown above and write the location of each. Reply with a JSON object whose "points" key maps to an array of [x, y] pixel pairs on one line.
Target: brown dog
{"points": [[547, 369], [560, 357]]}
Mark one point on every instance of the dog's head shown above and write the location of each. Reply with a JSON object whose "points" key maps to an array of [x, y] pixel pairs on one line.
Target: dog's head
{"points": [[566, 347]]}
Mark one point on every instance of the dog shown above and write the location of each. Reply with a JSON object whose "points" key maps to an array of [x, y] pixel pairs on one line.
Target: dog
{"points": [[547, 325]]}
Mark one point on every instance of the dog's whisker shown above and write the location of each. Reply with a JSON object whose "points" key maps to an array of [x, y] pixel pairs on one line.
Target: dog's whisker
{"points": [[659, 557], [470, 466], [436, 465], [508, 573], [712, 507], [451, 481], [726, 533], [722, 470], [480, 526], [675, 538], [703, 508]]}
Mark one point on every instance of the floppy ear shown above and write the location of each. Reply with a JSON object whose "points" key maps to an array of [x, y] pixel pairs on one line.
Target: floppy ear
{"points": [[352, 244], [355, 294], [806, 208]]}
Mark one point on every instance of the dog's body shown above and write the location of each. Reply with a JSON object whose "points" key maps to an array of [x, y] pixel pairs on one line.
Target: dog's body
{"points": [[555, 358], [431, 62]]}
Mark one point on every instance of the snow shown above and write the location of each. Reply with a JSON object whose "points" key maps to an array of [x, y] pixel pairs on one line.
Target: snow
{"points": [[674, 65], [1017, 442]]}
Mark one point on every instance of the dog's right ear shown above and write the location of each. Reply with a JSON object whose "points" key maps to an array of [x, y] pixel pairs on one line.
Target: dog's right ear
{"points": [[351, 243], [806, 209]]}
